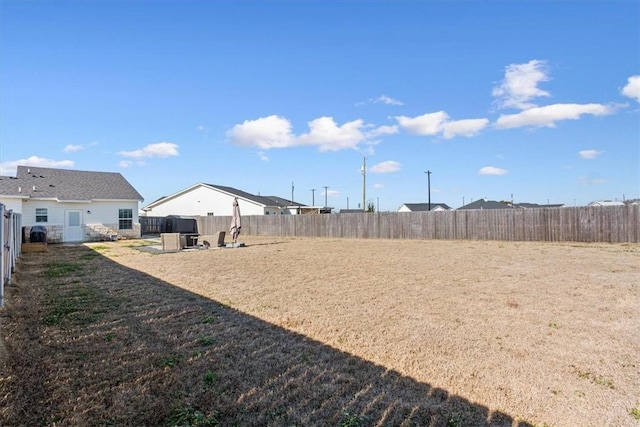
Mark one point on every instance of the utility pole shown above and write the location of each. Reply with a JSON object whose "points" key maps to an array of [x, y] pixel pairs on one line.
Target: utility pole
{"points": [[429, 187], [313, 197], [364, 184], [325, 195], [292, 191]]}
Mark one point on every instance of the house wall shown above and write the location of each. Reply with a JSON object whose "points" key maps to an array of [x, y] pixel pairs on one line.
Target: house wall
{"points": [[203, 201], [98, 219], [404, 208], [12, 204]]}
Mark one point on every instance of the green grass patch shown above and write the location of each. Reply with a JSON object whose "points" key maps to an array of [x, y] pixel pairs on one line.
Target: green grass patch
{"points": [[210, 379], [191, 417], [62, 269], [80, 305], [209, 319], [635, 413], [89, 256], [353, 420], [206, 341], [171, 361]]}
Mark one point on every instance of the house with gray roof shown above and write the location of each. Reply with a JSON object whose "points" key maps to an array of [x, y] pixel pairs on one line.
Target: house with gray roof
{"points": [[486, 204], [73, 205], [203, 199], [424, 207]]}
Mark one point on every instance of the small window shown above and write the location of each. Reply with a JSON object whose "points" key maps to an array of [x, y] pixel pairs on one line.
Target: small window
{"points": [[125, 219], [209, 213], [42, 215]]}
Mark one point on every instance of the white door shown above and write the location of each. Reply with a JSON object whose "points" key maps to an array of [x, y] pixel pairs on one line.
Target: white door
{"points": [[73, 231]]}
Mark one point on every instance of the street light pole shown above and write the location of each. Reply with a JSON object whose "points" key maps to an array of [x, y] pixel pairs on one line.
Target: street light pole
{"points": [[364, 184], [313, 197], [429, 187]]}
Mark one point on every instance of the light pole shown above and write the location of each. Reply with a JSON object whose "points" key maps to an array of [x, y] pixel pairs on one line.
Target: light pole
{"points": [[313, 197], [429, 187], [364, 184]]}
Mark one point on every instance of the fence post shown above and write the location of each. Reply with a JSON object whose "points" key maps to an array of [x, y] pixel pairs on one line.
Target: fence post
{"points": [[3, 253]]}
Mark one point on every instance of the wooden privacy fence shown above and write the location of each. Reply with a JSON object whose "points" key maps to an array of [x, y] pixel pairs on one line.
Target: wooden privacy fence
{"points": [[612, 224], [11, 240]]}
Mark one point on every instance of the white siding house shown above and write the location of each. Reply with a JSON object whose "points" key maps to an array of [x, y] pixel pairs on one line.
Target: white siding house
{"points": [[215, 200], [606, 203], [423, 207], [74, 206]]}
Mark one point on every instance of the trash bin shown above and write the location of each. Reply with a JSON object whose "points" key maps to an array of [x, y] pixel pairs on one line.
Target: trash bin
{"points": [[38, 234]]}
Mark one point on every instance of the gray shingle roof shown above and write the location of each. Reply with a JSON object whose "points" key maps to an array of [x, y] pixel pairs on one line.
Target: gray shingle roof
{"points": [[65, 184], [420, 207], [283, 203], [485, 204], [272, 201]]}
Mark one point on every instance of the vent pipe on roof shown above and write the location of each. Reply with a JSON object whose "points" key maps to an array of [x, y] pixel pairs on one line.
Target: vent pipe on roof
{"points": [[34, 188], [19, 189]]}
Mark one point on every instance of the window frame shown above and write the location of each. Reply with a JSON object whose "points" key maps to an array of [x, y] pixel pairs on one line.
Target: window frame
{"points": [[41, 217], [125, 219]]}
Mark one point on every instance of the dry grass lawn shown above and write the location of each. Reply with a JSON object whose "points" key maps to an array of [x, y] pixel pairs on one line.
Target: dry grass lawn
{"points": [[324, 332]]}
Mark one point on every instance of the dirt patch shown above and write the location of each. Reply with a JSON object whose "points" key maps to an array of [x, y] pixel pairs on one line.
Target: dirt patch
{"points": [[291, 331]]}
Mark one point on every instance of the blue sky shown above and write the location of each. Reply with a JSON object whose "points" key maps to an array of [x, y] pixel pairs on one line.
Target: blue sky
{"points": [[535, 101]]}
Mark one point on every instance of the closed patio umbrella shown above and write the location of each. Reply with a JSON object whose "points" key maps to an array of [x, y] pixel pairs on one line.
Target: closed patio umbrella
{"points": [[236, 224]]}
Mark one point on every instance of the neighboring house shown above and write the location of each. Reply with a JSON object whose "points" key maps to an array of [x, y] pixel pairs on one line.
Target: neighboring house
{"points": [[208, 200], [485, 204], [606, 203], [74, 206], [423, 207], [537, 206]]}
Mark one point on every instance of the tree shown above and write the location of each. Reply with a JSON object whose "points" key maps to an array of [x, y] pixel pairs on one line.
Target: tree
{"points": [[370, 206]]}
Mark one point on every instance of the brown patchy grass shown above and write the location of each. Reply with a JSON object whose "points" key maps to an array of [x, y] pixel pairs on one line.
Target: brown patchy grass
{"points": [[326, 332]]}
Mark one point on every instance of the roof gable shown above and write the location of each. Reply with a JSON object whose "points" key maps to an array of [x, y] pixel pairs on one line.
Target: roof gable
{"points": [[485, 204], [67, 184], [424, 207]]}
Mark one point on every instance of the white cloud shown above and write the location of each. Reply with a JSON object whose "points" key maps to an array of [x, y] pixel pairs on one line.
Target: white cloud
{"points": [[548, 115], [382, 130], [520, 85], [466, 127], [71, 148], [426, 124], [330, 193], [125, 164], [387, 100], [490, 170], [324, 133], [632, 89], [10, 168], [328, 136], [377, 186], [385, 167], [263, 156], [161, 149], [589, 180], [589, 154], [265, 132], [439, 123]]}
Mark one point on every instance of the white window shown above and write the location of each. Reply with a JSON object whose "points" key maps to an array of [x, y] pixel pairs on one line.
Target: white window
{"points": [[125, 219], [42, 215]]}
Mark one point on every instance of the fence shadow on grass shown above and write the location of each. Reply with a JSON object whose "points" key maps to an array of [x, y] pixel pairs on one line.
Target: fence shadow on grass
{"points": [[140, 351]]}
